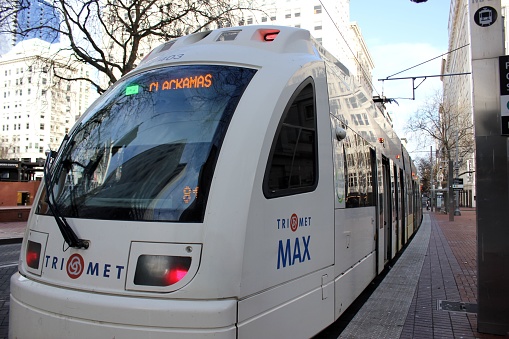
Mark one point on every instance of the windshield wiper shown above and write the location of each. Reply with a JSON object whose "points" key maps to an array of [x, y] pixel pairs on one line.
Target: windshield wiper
{"points": [[69, 235]]}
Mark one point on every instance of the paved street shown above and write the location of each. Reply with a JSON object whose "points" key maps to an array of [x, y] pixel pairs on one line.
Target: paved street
{"points": [[9, 255]]}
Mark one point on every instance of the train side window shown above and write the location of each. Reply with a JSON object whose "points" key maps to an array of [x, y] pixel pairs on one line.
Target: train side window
{"points": [[292, 167], [359, 169]]}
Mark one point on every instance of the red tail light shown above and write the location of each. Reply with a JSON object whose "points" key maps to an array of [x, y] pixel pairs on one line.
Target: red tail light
{"points": [[160, 270], [271, 36], [33, 254]]}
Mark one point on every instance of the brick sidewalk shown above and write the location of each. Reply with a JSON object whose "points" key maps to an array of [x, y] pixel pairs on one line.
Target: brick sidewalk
{"points": [[12, 231], [449, 273]]}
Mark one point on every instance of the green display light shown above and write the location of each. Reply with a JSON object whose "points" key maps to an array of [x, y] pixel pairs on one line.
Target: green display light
{"points": [[132, 89]]}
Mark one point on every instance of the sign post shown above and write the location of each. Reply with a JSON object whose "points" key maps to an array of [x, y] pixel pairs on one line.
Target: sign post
{"points": [[492, 180]]}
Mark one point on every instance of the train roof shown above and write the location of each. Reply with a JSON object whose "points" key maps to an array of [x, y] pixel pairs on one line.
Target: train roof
{"points": [[222, 46]]}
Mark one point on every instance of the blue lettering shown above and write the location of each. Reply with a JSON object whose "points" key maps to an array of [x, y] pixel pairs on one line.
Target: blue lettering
{"points": [[93, 270], [54, 263], [62, 264], [284, 254], [278, 223], [296, 251], [283, 222], [119, 269], [305, 221], [306, 248], [47, 259], [106, 272]]}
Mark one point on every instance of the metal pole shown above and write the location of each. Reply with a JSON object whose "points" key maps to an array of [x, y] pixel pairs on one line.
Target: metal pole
{"points": [[457, 167], [450, 191], [431, 181]]}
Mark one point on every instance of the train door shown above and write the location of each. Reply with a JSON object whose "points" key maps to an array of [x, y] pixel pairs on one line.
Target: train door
{"points": [[386, 211], [403, 207], [375, 184], [395, 209]]}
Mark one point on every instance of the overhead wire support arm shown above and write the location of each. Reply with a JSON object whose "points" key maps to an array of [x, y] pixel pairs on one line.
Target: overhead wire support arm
{"points": [[424, 77]]}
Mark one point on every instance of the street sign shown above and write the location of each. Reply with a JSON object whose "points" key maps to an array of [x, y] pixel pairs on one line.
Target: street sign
{"points": [[457, 184], [503, 63]]}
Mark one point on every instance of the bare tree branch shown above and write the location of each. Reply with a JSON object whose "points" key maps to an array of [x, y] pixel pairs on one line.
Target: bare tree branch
{"points": [[112, 35], [449, 126]]}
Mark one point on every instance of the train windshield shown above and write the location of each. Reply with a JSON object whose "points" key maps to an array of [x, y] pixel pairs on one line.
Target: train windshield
{"points": [[148, 148]]}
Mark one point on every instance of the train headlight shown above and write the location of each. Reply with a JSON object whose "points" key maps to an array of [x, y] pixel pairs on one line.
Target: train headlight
{"points": [[160, 270], [161, 267]]}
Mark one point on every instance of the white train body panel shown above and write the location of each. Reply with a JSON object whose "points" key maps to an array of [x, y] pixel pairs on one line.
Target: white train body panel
{"points": [[237, 245]]}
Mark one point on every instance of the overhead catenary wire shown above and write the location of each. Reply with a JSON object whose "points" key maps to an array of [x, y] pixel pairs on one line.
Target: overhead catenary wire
{"points": [[366, 74]]}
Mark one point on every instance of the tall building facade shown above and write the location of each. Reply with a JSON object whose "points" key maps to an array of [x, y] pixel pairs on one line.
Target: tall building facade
{"points": [[328, 22], [457, 92], [39, 20], [37, 108]]}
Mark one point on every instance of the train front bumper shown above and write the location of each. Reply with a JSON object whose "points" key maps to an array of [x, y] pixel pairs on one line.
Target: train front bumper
{"points": [[43, 311]]}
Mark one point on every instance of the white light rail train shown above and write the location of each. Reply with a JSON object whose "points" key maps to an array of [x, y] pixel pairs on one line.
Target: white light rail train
{"points": [[236, 184]]}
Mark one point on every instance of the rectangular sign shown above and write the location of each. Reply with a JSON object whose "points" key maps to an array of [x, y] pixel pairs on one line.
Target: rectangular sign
{"points": [[503, 66], [457, 184]]}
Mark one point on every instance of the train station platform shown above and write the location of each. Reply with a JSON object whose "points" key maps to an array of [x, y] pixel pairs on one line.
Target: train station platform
{"points": [[431, 291]]}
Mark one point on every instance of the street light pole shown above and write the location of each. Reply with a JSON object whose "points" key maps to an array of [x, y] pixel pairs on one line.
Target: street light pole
{"points": [[451, 191], [431, 181], [457, 167]]}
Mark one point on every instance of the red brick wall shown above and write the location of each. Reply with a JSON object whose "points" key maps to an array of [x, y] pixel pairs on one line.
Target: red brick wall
{"points": [[9, 192], [14, 214]]}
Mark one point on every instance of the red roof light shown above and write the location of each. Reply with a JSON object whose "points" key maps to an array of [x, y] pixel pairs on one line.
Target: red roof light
{"points": [[270, 36]]}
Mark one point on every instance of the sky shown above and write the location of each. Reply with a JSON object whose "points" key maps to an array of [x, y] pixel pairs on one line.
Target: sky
{"points": [[401, 34]]}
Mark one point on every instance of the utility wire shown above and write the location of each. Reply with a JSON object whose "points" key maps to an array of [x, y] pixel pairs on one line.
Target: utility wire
{"points": [[422, 63], [366, 75], [364, 72]]}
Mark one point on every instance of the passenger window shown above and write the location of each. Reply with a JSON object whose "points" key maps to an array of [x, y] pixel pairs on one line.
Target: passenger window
{"points": [[292, 167], [359, 169]]}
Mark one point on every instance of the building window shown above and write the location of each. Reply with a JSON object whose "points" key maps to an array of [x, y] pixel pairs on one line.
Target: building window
{"points": [[41, 126], [318, 9]]}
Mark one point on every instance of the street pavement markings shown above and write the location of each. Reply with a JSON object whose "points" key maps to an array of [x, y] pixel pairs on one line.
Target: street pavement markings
{"points": [[8, 265]]}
